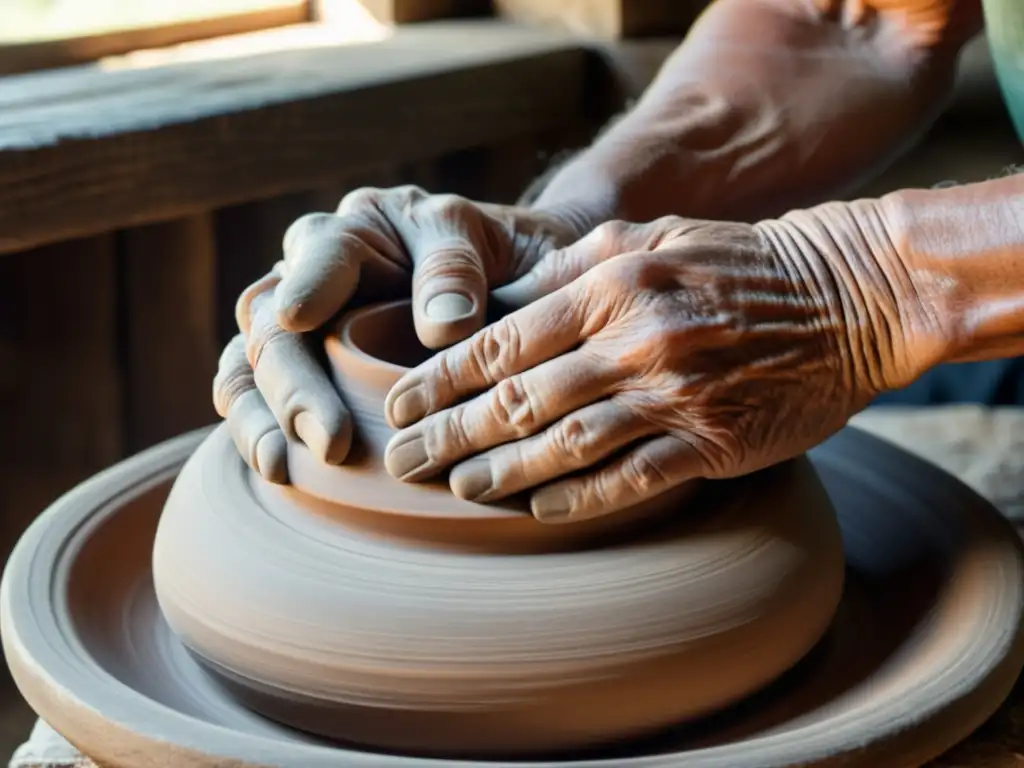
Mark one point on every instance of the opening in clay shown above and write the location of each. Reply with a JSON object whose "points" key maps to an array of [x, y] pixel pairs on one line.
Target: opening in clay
{"points": [[387, 334]]}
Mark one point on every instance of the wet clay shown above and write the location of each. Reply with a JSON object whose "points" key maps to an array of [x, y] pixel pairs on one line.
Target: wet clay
{"points": [[396, 616], [925, 645]]}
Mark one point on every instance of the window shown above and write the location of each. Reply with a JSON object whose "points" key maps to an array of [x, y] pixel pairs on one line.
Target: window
{"points": [[25, 21], [38, 34]]}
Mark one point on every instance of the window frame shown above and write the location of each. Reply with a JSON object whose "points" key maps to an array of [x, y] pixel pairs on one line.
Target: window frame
{"points": [[19, 58]]}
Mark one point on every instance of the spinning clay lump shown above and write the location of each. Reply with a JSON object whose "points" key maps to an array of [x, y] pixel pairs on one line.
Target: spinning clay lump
{"points": [[427, 625], [398, 617]]}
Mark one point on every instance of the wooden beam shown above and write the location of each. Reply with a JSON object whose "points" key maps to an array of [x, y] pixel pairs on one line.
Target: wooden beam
{"points": [[170, 335], [85, 150], [609, 19]]}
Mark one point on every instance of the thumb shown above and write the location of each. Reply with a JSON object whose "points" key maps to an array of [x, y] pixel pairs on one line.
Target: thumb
{"points": [[560, 267], [449, 294]]}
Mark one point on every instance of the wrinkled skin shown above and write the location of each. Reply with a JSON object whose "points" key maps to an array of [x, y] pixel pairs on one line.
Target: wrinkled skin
{"points": [[684, 349], [446, 251], [769, 105]]}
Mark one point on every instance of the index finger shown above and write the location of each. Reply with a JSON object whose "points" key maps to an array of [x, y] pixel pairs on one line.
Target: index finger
{"points": [[519, 341]]}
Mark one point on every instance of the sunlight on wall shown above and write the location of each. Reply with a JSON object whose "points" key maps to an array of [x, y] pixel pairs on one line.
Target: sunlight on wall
{"points": [[31, 20]]}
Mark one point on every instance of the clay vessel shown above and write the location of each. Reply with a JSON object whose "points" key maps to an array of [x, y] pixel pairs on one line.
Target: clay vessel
{"points": [[925, 646], [395, 616]]}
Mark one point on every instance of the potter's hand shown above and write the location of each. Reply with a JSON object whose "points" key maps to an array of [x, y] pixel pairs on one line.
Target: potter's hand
{"points": [[684, 349], [381, 244]]}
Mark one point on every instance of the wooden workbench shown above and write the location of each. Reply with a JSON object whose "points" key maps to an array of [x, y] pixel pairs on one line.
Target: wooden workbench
{"points": [[983, 447]]}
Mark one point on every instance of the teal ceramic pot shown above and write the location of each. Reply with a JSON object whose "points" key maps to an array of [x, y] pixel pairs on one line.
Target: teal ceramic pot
{"points": [[1004, 22]]}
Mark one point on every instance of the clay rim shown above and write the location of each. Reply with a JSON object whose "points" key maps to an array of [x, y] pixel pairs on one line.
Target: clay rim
{"points": [[351, 366], [348, 361], [59, 671], [347, 346]]}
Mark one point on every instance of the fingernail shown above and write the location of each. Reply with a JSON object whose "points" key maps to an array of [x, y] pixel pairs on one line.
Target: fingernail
{"points": [[410, 406], [312, 433], [449, 307], [289, 311], [472, 480], [551, 506], [340, 437], [406, 456], [272, 457]]}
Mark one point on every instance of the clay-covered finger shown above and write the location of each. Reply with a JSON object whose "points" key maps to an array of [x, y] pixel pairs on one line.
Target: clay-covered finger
{"points": [[515, 408], [516, 343], [295, 385], [641, 473], [451, 257], [560, 267], [253, 428], [449, 295], [244, 305], [325, 257], [575, 442]]}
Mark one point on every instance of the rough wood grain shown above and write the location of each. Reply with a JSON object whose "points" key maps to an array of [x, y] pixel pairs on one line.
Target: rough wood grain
{"points": [[168, 280], [613, 19], [83, 151]]}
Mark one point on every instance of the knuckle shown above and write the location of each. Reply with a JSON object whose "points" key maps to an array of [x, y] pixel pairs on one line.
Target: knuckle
{"points": [[441, 378], [377, 199], [228, 386], [610, 232], [447, 437], [616, 274], [310, 226], [262, 338], [451, 258], [244, 306], [572, 439], [663, 231], [408, 192], [497, 348], [361, 196], [642, 475], [446, 206], [513, 408]]}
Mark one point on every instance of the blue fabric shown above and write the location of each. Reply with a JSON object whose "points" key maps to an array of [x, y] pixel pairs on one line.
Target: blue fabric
{"points": [[995, 382]]}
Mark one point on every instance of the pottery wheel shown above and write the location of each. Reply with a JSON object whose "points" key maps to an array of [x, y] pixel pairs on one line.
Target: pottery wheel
{"points": [[925, 646]]}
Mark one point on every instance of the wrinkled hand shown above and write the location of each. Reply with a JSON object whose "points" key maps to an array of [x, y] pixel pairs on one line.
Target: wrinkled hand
{"points": [[448, 252], [685, 349]]}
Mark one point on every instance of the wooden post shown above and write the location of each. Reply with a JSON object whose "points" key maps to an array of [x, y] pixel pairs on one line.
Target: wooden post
{"points": [[249, 243], [170, 329], [59, 375], [609, 19]]}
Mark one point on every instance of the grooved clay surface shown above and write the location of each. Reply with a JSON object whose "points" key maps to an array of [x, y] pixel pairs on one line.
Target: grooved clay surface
{"points": [[833, 677], [395, 616]]}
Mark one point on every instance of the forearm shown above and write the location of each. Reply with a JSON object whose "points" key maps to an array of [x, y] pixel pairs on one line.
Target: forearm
{"points": [[963, 250], [918, 277], [768, 105]]}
